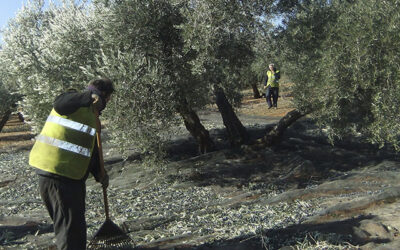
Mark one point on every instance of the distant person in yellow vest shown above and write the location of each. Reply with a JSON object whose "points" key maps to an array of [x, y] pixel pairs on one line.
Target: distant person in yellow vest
{"points": [[64, 154], [271, 86]]}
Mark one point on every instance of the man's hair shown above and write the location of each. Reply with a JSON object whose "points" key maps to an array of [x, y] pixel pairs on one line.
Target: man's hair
{"points": [[271, 64], [104, 85]]}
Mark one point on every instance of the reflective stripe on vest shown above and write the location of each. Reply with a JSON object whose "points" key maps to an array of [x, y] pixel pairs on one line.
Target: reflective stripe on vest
{"points": [[71, 124], [64, 145]]}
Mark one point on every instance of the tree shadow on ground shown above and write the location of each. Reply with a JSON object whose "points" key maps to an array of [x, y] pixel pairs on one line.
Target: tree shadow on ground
{"points": [[302, 143], [268, 167], [11, 234], [276, 238], [291, 235], [185, 148], [20, 137]]}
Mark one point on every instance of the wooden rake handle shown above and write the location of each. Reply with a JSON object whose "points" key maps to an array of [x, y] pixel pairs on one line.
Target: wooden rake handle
{"points": [[101, 162]]}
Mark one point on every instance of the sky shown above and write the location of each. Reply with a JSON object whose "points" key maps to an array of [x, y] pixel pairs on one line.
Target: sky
{"points": [[8, 9]]}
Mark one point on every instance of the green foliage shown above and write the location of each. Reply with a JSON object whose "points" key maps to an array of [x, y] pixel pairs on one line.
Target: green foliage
{"points": [[19, 58], [343, 59], [43, 52], [362, 60], [7, 99], [142, 51], [222, 33], [301, 49], [265, 50], [160, 54]]}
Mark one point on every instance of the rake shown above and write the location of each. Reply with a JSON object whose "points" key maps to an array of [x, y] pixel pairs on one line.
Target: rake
{"points": [[109, 235]]}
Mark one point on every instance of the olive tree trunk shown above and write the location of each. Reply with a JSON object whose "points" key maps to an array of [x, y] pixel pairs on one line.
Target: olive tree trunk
{"points": [[274, 135], [4, 119], [237, 133], [256, 92], [196, 129]]}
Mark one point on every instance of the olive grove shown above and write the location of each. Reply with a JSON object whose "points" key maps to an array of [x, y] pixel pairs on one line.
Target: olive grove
{"points": [[170, 58], [146, 48], [142, 51]]}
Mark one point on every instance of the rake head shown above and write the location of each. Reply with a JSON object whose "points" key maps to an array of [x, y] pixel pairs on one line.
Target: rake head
{"points": [[110, 236]]}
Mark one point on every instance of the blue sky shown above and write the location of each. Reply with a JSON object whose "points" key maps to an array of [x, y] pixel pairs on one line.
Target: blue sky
{"points": [[8, 9]]}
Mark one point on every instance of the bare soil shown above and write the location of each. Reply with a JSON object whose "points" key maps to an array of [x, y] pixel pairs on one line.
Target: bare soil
{"points": [[258, 107]]}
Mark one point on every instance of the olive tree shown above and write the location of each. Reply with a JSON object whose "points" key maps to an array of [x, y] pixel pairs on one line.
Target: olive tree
{"points": [[44, 51], [142, 51], [343, 59], [360, 68], [19, 58], [222, 34], [134, 43]]}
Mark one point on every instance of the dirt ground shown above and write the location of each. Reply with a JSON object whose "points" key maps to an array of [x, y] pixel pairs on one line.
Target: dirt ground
{"points": [[258, 107], [15, 135]]}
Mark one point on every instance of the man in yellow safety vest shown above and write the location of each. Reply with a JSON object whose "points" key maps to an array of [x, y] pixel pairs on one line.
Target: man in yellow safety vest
{"points": [[64, 154], [271, 86]]}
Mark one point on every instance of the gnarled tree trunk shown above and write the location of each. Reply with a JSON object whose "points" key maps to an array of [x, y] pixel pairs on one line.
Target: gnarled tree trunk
{"points": [[273, 136], [256, 92], [4, 119], [196, 129], [237, 133]]}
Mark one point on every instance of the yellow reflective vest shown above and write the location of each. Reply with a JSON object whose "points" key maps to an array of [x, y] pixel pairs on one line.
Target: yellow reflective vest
{"points": [[65, 144], [271, 79]]}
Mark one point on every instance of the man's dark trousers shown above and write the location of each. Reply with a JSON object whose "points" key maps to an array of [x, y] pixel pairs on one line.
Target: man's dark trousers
{"points": [[65, 202], [272, 92]]}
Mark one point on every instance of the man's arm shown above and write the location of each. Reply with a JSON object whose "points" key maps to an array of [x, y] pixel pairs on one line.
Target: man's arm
{"points": [[278, 75], [94, 167], [266, 80], [68, 102]]}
